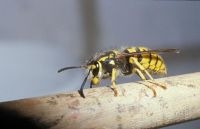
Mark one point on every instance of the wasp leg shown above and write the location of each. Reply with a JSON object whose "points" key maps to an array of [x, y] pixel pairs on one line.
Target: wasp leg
{"points": [[148, 74], [134, 61], [157, 84], [139, 70], [153, 81], [113, 85], [141, 75], [91, 86]]}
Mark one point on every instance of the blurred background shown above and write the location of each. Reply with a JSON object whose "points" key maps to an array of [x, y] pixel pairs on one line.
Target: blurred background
{"points": [[39, 37]]}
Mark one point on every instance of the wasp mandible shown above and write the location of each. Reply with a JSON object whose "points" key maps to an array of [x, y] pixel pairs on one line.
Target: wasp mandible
{"points": [[110, 64]]}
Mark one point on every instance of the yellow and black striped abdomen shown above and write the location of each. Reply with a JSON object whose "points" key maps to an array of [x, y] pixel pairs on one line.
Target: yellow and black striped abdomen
{"points": [[150, 61]]}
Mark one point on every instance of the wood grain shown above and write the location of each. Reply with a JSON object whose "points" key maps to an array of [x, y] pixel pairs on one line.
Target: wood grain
{"points": [[135, 107]]}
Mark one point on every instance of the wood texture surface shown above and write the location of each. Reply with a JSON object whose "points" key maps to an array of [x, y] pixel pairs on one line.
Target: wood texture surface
{"points": [[135, 107]]}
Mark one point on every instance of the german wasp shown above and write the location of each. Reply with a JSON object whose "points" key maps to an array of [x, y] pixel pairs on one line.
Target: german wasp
{"points": [[110, 64]]}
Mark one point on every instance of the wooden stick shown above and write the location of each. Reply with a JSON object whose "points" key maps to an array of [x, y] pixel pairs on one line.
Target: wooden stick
{"points": [[135, 107]]}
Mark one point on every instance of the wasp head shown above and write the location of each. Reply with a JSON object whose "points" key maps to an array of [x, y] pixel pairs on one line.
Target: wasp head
{"points": [[96, 70]]}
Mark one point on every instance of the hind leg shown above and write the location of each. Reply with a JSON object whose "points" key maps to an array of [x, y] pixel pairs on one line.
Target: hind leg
{"points": [[134, 60], [151, 80], [157, 84], [141, 75]]}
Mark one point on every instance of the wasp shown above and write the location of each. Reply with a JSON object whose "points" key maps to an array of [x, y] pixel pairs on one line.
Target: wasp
{"points": [[110, 64]]}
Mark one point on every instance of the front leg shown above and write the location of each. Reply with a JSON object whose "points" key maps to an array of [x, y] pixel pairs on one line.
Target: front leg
{"points": [[91, 86], [140, 70], [113, 85]]}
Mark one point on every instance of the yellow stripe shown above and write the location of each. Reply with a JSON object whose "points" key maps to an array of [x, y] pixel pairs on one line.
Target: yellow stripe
{"points": [[103, 58], [115, 51], [151, 67], [145, 59], [153, 59], [131, 49], [158, 63], [162, 67], [146, 65], [156, 69], [143, 49]]}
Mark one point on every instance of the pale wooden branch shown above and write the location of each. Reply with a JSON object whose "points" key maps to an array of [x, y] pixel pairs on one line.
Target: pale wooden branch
{"points": [[135, 107]]}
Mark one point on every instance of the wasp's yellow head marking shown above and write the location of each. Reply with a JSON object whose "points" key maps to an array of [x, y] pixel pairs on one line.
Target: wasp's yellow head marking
{"points": [[95, 81], [92, 66]]}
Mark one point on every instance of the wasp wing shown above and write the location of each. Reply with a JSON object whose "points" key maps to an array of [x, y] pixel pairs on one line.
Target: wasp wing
{"points": [[149, 51]]}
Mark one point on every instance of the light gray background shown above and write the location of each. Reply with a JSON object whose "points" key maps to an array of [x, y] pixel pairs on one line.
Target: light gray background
{"points": [[37, 37]]}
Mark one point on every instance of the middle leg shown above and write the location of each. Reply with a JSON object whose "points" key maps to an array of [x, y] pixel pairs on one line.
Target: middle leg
{"points": [[113, 85]]}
